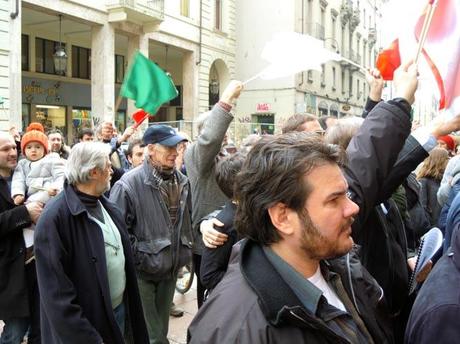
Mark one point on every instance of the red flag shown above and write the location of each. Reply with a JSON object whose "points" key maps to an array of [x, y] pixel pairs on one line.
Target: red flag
{"points": [[442, 51], [389, 60], [139, 116]]}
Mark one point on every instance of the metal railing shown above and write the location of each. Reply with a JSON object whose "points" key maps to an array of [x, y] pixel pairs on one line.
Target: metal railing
{"points": [[315, 30], [150, 5], [236, 133]]}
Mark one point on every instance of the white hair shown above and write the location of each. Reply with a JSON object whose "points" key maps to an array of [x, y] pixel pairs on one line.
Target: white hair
{"points": [[84, 157]]}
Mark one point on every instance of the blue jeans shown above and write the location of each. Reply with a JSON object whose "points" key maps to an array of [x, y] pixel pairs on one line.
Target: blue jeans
{"points": [[14, 330]]}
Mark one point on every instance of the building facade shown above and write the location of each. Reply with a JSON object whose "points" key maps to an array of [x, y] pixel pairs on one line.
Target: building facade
{"points": [[193, 40], [347, 27]]}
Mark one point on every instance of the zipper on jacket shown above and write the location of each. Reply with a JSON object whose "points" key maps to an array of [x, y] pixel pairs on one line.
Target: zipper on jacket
{"points": [[351, 284], [323, 327]]}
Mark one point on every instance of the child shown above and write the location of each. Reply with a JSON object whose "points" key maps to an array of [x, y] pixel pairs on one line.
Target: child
{"points": [[38, 176]]}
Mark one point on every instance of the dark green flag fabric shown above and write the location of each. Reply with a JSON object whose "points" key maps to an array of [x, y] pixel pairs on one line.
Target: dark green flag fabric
{"points": [[147, 84]]}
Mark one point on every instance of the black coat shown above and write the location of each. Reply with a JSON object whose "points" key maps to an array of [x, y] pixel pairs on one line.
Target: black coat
{"points": [[72, 276], [13, 289]]}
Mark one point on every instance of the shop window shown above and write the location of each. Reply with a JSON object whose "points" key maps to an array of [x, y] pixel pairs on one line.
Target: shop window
{"points": [[81, 118], [120, 121], [51, 117], [25, 52], [263, 124], [44, 50], [178, 100], [25, 115], [119, 68], [81, 62]]}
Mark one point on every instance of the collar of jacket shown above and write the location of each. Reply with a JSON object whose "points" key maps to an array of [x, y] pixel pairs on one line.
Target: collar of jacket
{"points": [[151, 179], [275, 295], [277, 301], [76, 207]]}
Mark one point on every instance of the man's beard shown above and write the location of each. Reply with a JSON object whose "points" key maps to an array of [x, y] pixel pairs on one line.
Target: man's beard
{"points": [[317, 246]]}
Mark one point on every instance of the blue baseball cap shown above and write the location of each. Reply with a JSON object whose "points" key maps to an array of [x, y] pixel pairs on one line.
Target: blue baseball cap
{"points": [[162, 134]]}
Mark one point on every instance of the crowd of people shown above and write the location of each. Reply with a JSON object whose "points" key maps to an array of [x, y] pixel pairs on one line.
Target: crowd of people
{"points": [[307, 236]]}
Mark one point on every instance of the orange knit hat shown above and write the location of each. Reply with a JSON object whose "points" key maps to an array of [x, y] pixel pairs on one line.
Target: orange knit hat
{"points": [[35, 133], [35, 126]]}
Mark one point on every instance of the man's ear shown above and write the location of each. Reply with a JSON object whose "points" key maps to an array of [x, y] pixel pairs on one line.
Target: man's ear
{"points": [[282, 218], [92, 173]]}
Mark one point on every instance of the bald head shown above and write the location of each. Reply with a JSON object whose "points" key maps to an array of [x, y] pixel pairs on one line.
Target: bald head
{"points": [[8, 154]]}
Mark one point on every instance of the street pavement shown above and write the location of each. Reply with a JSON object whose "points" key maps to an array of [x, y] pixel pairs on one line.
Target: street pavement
{"points": [[177, 326]]}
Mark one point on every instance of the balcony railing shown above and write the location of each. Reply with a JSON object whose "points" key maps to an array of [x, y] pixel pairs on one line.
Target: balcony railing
{"points": [[136, 11], [315, 30]]}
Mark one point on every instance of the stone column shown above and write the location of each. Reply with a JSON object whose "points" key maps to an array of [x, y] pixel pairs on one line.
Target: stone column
{"points": [[135, 43], [103, 73], [189, 86], [15, 91]]}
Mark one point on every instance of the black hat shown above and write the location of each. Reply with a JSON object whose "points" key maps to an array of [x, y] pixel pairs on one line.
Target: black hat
{"points": [[163, 135]]}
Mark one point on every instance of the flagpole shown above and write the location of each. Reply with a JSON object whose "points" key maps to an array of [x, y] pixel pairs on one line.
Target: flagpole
{"points": [[426, 25], [253, 77]]}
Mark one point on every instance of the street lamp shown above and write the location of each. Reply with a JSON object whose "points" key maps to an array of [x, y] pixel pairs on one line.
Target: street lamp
{"points": [[60, 56], [334, 42]]}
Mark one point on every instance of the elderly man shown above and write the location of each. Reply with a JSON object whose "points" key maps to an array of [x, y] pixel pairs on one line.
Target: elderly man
{"points": [[105, 133], [19, 300], [85, 266], [155, 199]]}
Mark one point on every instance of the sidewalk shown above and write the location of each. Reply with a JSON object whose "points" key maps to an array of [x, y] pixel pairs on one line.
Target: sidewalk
{"points": [[177, 326]]}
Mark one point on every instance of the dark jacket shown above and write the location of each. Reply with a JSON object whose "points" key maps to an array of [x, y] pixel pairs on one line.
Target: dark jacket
{"points": [[435, 314], [160, 247], [374, 172], [267, 310], [72, 276], [214, 261], [13, 289], [428, 190]]}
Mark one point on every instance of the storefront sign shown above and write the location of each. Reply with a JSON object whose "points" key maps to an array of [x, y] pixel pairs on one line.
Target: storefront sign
{"points": [[44, 92], [263, 107]]}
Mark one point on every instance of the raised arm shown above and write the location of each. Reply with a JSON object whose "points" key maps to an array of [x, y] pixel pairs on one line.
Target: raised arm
{"points": [[373, 151], [200, 154]]}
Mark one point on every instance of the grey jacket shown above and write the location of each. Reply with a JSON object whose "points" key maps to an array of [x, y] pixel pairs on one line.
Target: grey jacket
{"points": [[31, 176], [254, 304], [200, 162], [160, 248]]}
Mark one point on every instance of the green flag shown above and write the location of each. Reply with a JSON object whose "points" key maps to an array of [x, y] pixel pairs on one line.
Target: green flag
{"points": [[147, 84]]}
